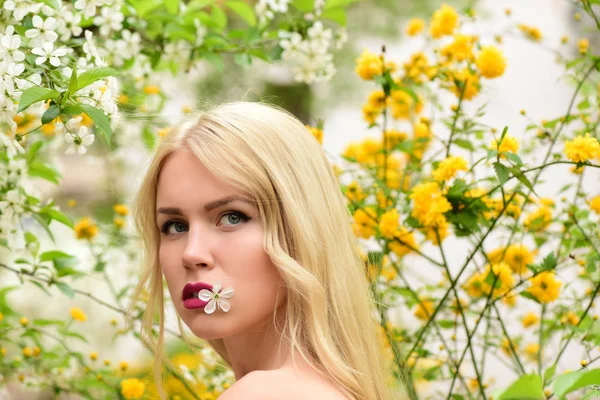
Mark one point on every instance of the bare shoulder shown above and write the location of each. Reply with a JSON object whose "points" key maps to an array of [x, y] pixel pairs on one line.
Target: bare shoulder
{"points": [[252, 386], [283, 384]]}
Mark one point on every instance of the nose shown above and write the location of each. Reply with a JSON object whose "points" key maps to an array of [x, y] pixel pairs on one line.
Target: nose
{"points": [[197, 251]]}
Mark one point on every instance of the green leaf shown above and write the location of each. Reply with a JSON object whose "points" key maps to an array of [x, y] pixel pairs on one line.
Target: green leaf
{"points": [[446, 323], [30, 238], [44, 224], [527, 387], [219, 16], [335, 14], [142, 7], [73, 81], [63, 262], [243, 10], [549, 262], [76, 335], [591, 395], [34, 95], [215, 59], [521, 177], [41, 287], [46, 322], [304, 5], [329, 4], [528, 295], [502, 172], [514, 158], [60, 217], [572, 381], [465, 144], [100, 119], [549, 374], [172, 6], [66, 289], [38, 168], [92, 75], [50, 114], [148, 138], [504, 131]]}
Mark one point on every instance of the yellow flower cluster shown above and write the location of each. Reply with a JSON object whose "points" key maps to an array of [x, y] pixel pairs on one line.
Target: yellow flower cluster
{"points": [[582, 148], [509, 144], [501, 274], [468, 84], [517, 256], [403, 105], [595, 204], [368, 65], [461, 49], [429, 204], [424, 310], [449, 167], [545, 287], [404, 242], [583, 45], [491, 62], [85, 229], [530, 319], [365, 222], [415, 26], [539, 219], [444, 21], [316, 132], [132, 388]]}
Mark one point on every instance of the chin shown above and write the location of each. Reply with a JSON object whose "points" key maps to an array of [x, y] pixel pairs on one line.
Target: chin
{"points": [[210, 326]]}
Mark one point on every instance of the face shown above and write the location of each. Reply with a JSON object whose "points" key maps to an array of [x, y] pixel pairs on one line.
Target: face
{"points": [[219, 243]]}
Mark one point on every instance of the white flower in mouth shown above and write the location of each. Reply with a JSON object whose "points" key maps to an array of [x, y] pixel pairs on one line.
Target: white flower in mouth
{"points": [[216, 298]]}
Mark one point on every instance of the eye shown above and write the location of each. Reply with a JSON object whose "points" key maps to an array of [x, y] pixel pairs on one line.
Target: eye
{"points": [[233, 217]]}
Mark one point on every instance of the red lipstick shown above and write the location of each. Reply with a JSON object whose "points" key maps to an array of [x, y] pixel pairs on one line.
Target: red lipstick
{"points": [[189, 295]]}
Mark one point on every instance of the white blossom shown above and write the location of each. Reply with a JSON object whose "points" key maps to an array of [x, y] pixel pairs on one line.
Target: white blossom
{"points": [[88, 6], [9, 71], [217, 298], [48, 52], [20, 8], [110, 19], [9, 46], [78, 143], [130, 45], [89, 47], [70, 25], [341, 37], [43, 31]]}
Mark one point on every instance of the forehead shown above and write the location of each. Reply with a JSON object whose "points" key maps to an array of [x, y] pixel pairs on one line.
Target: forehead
{"points": [[184, 179]]}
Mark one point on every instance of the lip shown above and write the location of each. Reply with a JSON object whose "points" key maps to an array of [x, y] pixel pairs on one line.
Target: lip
{"points": [[190, 288]]}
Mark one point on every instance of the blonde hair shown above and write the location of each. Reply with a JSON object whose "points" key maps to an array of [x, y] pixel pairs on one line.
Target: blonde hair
{"points": [[268, 153]]}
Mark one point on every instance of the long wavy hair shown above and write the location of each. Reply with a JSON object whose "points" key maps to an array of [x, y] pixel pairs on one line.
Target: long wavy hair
{"points": [[267, 152]]}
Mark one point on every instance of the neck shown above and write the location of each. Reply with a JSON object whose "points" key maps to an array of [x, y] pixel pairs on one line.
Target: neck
{"points": [[257, 349]]}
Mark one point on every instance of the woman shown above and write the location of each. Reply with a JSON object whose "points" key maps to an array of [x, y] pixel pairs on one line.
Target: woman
{"points": [[240, 210]]}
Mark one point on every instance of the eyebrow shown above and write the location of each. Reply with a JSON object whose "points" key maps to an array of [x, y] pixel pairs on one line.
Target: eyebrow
{"points": [[208, 206]]}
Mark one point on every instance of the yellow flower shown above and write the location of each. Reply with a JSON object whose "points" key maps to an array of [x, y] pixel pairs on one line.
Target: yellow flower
{"points": [[424, 310], [107, 362], [469, 84], [1, 317], [123, 98], [72, 203], [123, 365], [121, 209], [2, 351], [491, 62], [459, 50], [85, 229], [36, 351], [151, 89], [93, 355], [509, 144], [583, 45], [530, 319], [582, 148], [517, 257], [370, 113], [316, 132], [532, 350], [132, 388], [570, 318], [370, 64], [429, 204], [538, 220], [474, 285], [531, 32], [501, 274], [442, 231], [402, 105], [421, 136], [354, 192], [24, 321], [595, 204], [544, 287], [415, 26], [119, 222], [583, 363], [444, 21], [404, 239], [365, 222], [448, 168], [78, 314], [394, 137], [27, 352], [389, 223], [510, 299]]}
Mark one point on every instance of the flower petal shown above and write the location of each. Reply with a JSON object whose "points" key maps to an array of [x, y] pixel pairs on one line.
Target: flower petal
{"points": [[216, 287], [226, 293], [210, 307], [205, 295], [224, 305]]}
